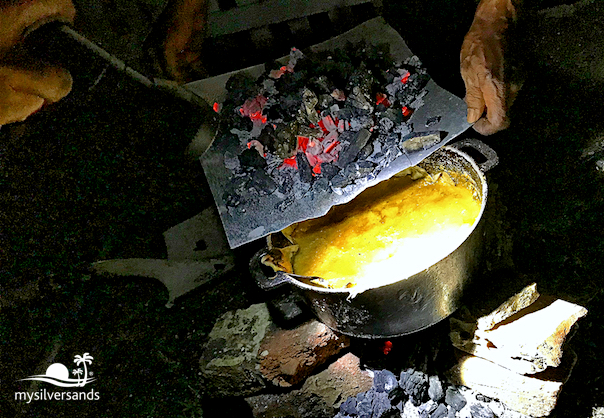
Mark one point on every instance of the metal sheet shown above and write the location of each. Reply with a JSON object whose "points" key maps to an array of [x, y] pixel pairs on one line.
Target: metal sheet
{"points": [[255, 218]]}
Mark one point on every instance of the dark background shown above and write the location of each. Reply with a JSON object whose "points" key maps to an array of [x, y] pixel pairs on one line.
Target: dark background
{"points": [[102, 174]]}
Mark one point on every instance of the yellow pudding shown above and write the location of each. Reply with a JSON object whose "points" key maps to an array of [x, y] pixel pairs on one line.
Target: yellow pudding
{"points": [[390, 231]]}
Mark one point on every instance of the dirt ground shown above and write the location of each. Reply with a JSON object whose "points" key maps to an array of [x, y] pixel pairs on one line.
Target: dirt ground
{"points": [[101, 175]]}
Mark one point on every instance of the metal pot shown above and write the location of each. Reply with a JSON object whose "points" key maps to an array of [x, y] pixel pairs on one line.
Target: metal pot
{"points": [[411, 303]]}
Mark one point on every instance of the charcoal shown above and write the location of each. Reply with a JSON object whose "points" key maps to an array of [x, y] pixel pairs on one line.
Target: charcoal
{"points": [[287, 141], [481, 411], [432, 121], [364, 404], [415, 385], [365, 167], [251, 158], [309, 103], [386, 124], [452, 413], [262, 182], [435, 389], [455, 399], [243, 137], [321, 185], [288, 201], [241, 87], [379, 404], [339, 181], [380, 108], [402, 129], [231, 161], [345, 113], [440, 412], [357, 141], [366, 151], [391, 413], [304, 168], [349, 406], [480, 397], [329, 170], [384, 381], [396, 395], [267, 136], [325, 101], [426, 409], [322, 83]]}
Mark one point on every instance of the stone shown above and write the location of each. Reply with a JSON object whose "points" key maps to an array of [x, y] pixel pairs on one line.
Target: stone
{"points": [[519, 301], [440, 412], [321, 394], [535, 395], [294, 354], [230, 358], [525, 334]]}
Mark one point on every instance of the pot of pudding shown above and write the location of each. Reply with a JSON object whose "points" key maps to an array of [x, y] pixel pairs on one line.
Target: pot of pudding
{"points": [[398, 257]]}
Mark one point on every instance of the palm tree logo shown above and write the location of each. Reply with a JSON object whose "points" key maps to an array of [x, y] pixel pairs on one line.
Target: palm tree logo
{"points": [[57, 374], [78, 372], [86, 358]]}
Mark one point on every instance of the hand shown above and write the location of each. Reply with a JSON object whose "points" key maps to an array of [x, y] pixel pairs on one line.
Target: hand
{"points": [[184, 39], [26, 86], [482, 67]]}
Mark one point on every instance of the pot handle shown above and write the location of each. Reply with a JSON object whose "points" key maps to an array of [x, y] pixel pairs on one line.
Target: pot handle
{"points": [[492, 159], [263, 280]]}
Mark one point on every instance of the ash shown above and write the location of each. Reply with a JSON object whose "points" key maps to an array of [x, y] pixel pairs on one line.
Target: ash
{"points": [[322, 123], [413, 393]]}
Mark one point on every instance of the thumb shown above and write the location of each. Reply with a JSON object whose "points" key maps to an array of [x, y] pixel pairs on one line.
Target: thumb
{"points": [[476, 104]]}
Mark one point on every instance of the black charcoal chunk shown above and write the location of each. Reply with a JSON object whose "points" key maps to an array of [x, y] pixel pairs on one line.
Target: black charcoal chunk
{"points": [[416, 386], [379, 404], [440, 412], [357, 141], [329, 170], [339, 181], [391, 413], [366, 151], [435, 389], [426, 409], [263, 182], [320, 186], [349, 406], [455, 399], [250, 158], [481, 411], [384, 381], [396, 395], [432, 121], [364, 403], [304, 168]]}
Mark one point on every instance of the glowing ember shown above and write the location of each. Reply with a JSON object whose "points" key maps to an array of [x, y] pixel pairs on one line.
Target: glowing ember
{"points": [[216, 107]]}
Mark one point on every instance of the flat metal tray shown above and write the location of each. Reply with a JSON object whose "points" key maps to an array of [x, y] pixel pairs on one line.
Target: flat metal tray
{"points": [[256, 218]]}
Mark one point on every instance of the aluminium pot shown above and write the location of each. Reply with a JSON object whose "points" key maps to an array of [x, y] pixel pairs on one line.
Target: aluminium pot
{"points": [[408, 304]]}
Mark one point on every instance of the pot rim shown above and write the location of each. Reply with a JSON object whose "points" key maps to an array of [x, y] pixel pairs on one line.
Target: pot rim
{"points": [[292, 278]]}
